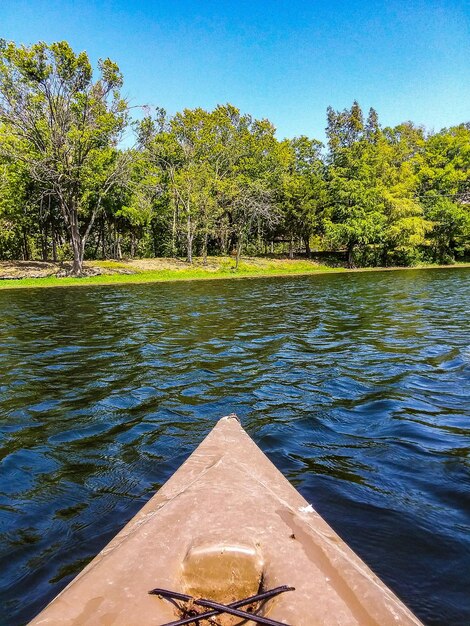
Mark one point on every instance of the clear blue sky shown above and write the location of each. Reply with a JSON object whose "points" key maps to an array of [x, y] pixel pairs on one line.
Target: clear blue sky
{"points": [[286, 60]]}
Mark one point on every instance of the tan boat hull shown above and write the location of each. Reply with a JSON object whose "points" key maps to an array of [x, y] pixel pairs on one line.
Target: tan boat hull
{"points": [[225, 518]]}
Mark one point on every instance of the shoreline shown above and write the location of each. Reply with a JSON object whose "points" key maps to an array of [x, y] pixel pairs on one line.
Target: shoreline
{"points": [[196, 274]]}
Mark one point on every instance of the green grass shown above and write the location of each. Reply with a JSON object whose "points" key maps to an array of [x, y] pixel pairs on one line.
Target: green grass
{"points": [[226, 270], [111, 265]]}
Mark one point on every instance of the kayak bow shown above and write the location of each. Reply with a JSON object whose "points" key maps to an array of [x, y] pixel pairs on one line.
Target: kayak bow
{"points": [[227, 526]]}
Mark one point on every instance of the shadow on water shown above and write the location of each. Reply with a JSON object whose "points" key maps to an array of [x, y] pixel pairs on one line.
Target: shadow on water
{"points": [[356, 386]]}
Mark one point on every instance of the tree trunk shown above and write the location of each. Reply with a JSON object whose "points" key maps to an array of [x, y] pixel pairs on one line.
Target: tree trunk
{"points": [[117, 244], [54, 242], [452, 246], [291, 247], [103, 240], [189, 257], [26, 253], [70, 213], [51, 226], [351, 257], [154, 240], [224, 243], [77, 249], [384, 256], [98, 241], [132, 245], [308, 251], [239, 252], [260, 239], [173, 233], [43, 228], [189, 238], [204, 248], [44, 242]]}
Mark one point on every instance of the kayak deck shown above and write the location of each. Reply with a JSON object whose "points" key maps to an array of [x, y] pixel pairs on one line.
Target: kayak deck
{"points": [[225, 526]]}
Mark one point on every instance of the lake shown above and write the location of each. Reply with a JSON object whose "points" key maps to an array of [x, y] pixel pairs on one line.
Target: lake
{"points": [[356, 386]]}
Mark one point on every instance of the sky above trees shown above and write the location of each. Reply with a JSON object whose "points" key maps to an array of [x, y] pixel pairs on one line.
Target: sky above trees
{"points": [[285, 60]]}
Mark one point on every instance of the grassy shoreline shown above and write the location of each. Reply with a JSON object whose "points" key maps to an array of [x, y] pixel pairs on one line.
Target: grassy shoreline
{"points": [[246, 270]]}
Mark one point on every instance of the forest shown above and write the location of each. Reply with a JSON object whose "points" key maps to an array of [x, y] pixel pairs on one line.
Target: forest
{"points": [[83, 175]]}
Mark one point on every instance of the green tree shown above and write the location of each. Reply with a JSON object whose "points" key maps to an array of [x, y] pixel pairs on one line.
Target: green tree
{"points": [[406, 228], [445, 163], [355, 218], [450, 228], [372, 184], [303, 193], [444, 186], [14, 216], [64, 128]]}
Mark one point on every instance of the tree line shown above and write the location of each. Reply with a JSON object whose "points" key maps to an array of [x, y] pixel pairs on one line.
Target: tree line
{"points": [[212, 182]]}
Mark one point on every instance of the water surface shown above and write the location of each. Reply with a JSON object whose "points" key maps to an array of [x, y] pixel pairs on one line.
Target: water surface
{"points": [[357, 386]]}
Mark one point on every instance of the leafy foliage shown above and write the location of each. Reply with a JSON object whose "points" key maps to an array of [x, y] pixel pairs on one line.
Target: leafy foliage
{"points": [[212, 181], [62, 128]]}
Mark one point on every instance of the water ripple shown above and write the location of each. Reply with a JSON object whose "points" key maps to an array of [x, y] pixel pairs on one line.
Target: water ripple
{"points": [[356, 386]]}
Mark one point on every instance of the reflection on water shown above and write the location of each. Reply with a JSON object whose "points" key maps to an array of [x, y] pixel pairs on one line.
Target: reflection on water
{"points": [[357, 386]]}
